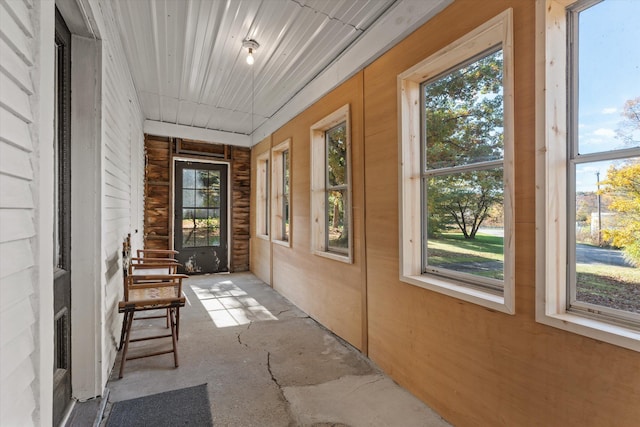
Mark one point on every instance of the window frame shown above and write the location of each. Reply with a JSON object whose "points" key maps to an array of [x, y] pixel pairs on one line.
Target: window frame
{"points": [[262, 196], [554, 187], [320, 187], [495, 32], [278, 164]]}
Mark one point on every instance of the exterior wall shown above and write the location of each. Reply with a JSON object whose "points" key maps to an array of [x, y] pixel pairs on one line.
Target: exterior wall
{"points": [[240, 208], [107, 157], [157, 191], [19, 332], [122, 136], [473, 365]]}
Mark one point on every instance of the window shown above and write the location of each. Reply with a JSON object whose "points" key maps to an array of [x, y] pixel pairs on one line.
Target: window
{"points": [[331, 233], [456, 183], [281, 193], [262, 196], [587, 169]]}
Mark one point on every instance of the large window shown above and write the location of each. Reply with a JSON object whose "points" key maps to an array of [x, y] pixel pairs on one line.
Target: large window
{"points": [[331, 186], [281, 193], [589, 170], [456, 138]]}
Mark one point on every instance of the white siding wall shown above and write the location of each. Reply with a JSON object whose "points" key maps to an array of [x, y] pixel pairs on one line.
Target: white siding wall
{"points": [[18, 307], [123, 145], [26, 132]]}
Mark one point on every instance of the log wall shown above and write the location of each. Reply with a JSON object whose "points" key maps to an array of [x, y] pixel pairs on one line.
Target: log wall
{"points": [[159, 154]]}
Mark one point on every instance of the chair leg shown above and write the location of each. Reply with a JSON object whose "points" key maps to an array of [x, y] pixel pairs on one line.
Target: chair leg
{"points": [[177, 323], [126, 341], [124, 327], [174, 337]]}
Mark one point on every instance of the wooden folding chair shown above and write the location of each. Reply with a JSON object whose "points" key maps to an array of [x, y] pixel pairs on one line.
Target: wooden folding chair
{"points": [[151, 292], [150, 283]]}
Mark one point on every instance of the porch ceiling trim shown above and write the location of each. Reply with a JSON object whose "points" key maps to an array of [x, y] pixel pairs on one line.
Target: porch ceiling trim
{"points": [[153, 127]]}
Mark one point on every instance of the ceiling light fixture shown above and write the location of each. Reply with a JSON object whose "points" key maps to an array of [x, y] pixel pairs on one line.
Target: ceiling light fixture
{"points": [[251, 45]]}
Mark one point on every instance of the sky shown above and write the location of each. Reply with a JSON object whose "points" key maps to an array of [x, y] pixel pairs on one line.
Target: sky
{"points": [[609, 52]]}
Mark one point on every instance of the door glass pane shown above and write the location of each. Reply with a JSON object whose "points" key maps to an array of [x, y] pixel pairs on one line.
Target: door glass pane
{"points": [[188, 198], [213, 227], [188, 178], [465, 223], [57, 255]]}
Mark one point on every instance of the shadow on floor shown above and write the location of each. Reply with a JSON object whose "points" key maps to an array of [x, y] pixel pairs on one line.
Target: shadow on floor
{"points": [[266, 363]]}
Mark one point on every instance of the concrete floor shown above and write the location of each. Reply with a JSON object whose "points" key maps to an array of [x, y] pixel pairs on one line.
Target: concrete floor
{"points": [[267, 363]]}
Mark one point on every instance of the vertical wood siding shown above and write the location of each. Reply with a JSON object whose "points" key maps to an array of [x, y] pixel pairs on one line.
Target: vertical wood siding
{"points": [[240, 211], [17, 230], [157, 192]]}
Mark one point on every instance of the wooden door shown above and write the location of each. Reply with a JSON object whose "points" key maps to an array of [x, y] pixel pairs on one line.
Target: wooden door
{"points": [[62, 225], [201, 216]]}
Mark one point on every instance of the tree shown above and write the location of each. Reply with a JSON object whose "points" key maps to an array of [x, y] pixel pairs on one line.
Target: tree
{"points": [[623, 184], [464, 124], [629, 130]]}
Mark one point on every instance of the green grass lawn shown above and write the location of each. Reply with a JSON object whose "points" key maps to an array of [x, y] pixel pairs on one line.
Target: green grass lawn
{"points": [[610, 286], [606, 285], [482, 256], [453, 247]]}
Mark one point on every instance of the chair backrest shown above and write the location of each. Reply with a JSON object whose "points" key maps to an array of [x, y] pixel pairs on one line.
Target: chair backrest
{"points": [[157, 253], [151, 266]]}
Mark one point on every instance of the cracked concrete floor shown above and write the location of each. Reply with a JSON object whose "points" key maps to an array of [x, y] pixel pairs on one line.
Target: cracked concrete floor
{"points": [[266, 363]]}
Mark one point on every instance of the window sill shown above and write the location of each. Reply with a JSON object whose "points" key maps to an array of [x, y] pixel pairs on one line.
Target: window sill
{"points": [[263, 236], [593, 328], [334, 256], [460, 291], [285, 243]]}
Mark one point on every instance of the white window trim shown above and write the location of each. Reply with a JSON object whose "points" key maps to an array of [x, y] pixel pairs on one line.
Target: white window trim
{"points": [[551, 184], [262, 195], [495, 31], [277, 193], [318, 185]]}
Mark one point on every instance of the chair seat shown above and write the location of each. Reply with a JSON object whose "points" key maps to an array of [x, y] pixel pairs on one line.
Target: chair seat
{"points": [[153, 295]]}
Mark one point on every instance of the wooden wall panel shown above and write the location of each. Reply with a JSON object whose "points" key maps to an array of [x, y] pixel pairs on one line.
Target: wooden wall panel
{"points": [[473, 365], [330, 291], [260, 248]]}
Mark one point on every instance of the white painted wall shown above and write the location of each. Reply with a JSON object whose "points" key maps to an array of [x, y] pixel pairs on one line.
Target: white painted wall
{"points": [[123, 170], [107, 180], [26, 166]]}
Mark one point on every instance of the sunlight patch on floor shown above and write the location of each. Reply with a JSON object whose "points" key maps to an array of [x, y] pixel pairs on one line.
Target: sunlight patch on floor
{"points": [[228, 305]]}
